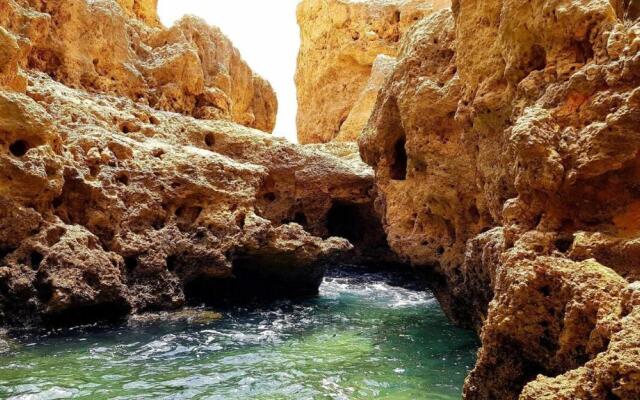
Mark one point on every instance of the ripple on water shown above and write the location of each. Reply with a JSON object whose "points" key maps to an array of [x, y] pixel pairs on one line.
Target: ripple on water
{"points": [[363, 337]]}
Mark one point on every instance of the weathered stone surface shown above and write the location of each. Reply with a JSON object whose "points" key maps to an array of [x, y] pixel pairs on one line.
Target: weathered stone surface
{"points": [[505, 146], [110, 206], [190, 68], [361, 111], [340, 42]]}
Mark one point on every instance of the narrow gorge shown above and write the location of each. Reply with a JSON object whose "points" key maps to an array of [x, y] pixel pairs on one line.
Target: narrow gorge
{"points": [[490, 148]]}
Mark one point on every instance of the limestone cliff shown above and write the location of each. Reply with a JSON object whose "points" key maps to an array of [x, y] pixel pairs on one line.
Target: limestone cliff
{"points": [[190, 68], [505, 144], [111, 204], [340, 42]]}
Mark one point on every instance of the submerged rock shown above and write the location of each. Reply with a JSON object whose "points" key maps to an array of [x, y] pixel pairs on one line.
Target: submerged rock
{"points": [[112, 205], [505, 144], [195, 316]]}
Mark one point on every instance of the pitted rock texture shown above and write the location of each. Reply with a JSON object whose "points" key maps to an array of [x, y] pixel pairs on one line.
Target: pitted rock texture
{"points": [[340, 42], [110, 206], [506, 155], [190, 68]]}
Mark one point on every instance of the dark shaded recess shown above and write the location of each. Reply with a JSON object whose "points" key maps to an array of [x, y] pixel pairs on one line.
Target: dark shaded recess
{"points": [[564, 244], [270, 197], [5, 251], [398, 166], [109, 312], [343, 221], [19, 148], [131, 263], [210, 140], [300, 218], [257, 278], [359, 224], [35, 259], [538, 60]]}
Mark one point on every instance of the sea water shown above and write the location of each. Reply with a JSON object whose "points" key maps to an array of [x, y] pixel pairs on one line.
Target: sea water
{"points": [[365, 336]]}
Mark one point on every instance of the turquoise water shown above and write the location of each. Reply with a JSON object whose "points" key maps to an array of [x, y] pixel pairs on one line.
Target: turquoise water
{"points": [[361, 338]]}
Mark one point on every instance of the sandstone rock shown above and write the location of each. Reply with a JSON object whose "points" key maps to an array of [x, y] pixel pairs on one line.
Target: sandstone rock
{"points": [[340, 42], [118, 207], [505, 148], [361, 111], [145, 10], [112, 205], [190, 68]]}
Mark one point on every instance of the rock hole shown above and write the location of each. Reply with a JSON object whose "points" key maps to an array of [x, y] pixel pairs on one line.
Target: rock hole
{"points": [[440, 251], [564, 244], [19, 148], [44, 291], [355, 36], [546, 291], [396, 16], [342, 221], [188, 215], [123, 178], [210, 140], [300, 218], [399, 161], [35, 259], [270, 197], [131, 263], [57, 202], [172, 263], [5, 252]]}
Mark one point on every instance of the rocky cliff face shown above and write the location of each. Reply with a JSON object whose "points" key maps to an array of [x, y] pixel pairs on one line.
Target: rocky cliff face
{"points": [[111, 204], [341, 40], [190, 68], [505, 144]]}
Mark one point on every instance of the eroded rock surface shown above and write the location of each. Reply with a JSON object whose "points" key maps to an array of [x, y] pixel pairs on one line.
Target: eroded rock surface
{"points": [[340, 42], [110, 204], [119, 47], [505, 144]]}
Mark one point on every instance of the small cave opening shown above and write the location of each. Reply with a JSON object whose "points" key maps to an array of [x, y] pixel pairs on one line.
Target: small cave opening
{"points": [[398, 166], [35, 259], [269, 197], [564, 244], [300, 218], [131, 263], [19, 148], [343, 221], [107, 312], [210, 140], [172, 263]]}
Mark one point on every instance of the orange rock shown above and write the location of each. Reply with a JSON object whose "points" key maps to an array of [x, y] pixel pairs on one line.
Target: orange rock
{"points": [[506, 154]]}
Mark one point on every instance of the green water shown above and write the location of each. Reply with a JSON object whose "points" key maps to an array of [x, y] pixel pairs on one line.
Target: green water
{"points": [[361, 338]]}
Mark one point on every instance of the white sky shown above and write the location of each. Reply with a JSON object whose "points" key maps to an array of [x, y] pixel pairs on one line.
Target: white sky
{"points": [[267, 35]]}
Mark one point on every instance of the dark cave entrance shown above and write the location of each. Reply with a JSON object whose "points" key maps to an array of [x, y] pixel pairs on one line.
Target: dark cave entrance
{"points": [[343, 220]]}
